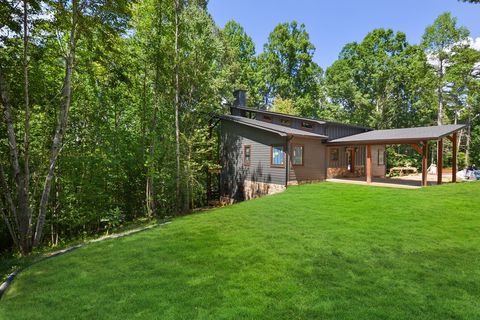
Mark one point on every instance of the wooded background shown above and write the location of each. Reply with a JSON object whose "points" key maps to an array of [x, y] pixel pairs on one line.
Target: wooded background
{"points": [[107, 106]]}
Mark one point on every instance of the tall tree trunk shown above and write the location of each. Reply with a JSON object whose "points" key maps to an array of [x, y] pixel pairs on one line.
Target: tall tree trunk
{"points": [[440, 96], [26, 139], [468, 142], [150, 188], [11, 209], [61, 124], [177, 106], [22, 213]]}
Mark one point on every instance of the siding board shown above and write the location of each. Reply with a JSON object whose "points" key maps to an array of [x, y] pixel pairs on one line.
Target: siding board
{"points": [[234, 173]]}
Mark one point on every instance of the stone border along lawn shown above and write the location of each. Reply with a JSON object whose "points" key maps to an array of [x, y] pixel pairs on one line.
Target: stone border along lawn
{"points": [[4, 286]]}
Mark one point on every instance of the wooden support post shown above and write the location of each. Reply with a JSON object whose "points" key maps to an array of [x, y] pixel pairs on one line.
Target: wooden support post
{"points": [[439, 161], [454, 157], [424, 164], [369, 164]]}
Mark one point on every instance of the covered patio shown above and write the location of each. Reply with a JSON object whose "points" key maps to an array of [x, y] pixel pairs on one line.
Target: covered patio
{"points": [[417, 138]]}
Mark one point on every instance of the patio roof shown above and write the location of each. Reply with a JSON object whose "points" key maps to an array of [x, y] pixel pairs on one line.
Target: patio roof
{"points": [[400, 136], [271, 127]]}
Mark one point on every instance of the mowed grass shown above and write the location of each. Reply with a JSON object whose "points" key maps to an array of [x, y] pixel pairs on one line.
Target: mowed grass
{"points": [[316, 251]]}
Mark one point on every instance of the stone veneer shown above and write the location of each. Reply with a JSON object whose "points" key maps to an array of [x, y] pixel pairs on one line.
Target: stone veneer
{"points": [[254, 189], [345, 173]]}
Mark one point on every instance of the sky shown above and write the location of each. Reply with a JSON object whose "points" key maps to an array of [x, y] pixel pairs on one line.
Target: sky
{"points": [[333, 23]]}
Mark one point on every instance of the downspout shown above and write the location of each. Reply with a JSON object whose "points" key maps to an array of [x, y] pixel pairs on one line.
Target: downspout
{"points": [[287, 159]]}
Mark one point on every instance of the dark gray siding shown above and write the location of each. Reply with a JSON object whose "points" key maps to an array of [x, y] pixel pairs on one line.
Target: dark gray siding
{"points": [[331, 129], [334, 131], [295, 123], [234, 173]]}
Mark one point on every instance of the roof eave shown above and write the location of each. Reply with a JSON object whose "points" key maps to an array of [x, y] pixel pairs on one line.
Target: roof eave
{"points": [[280, 133], [394, 141]]}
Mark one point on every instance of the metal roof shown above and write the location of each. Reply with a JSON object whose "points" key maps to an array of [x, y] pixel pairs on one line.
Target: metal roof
{"points": [[398, 136], [300, 118], [275, 128]]}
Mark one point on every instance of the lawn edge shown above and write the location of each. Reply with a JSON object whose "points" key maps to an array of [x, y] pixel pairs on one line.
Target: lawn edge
{"points": [[6, 284]]}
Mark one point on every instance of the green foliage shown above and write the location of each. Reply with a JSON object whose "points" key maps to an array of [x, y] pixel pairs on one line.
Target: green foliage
{"points": [[241, 67], [112, 219], [382, 82], [288, 70], [284, 106], [310, 252], [443, 34]]}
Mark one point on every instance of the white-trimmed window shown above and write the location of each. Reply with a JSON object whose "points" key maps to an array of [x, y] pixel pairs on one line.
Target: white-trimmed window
{"points": [[297, 154], [277, 156]]}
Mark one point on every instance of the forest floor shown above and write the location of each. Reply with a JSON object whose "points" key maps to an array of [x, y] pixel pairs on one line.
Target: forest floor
{"points": [[323, 250]]}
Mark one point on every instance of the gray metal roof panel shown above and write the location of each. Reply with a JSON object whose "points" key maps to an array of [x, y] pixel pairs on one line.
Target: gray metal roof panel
{"points": [[404, 134], [272, 127], [301, 118]]}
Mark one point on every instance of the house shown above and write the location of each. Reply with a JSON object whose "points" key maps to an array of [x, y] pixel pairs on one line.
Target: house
{"points": [[263, 152]]}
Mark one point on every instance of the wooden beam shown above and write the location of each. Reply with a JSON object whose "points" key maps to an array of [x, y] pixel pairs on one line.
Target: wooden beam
{"points": [[417, 148], [369, 163], [454, 157], [424, 164], [439, 161]]}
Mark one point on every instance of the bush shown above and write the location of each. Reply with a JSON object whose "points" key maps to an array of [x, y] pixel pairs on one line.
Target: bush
{"points": [[112, 219]]}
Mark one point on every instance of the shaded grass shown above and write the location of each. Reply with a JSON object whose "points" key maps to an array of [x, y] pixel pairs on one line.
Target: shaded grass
{"points": [[315, 251]]}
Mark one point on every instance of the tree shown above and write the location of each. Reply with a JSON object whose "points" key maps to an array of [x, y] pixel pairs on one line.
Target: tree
{"points": [[69, 22], [381, 82], [463, 85], [241, 65], [284, 106], [439, 41], [288, 69]]}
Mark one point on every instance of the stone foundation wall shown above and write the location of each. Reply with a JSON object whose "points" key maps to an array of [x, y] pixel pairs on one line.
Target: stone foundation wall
{"points": [[254, 189], [345, 173]]}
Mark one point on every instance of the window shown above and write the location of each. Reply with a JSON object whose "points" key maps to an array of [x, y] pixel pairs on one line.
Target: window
{"points": [[267, 118], [381, 158], [297, 157], [277, 156], [247, 153], [307, 125], [286, 122], [334, 154]]}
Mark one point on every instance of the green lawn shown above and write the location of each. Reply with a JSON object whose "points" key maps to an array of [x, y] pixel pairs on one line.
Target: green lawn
{"points": [[313, 252]]}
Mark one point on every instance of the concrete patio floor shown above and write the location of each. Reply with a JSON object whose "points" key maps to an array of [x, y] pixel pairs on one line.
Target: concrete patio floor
{"points": [[404, 182]]}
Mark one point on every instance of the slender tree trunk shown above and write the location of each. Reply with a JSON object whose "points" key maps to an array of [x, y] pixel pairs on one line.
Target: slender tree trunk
{"points": [[61, 125], [26, 139], [177, 106], [11, 209], [440, 96], [467, 143], [150, 189], [22, 213]]}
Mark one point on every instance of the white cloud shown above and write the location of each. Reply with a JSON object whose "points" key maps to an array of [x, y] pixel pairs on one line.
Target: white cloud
{"points": [[475, 43]]}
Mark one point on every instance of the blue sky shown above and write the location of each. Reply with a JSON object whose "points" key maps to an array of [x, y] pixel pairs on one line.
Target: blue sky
{"points": [[333, 23]]}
